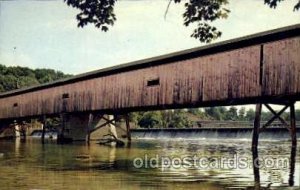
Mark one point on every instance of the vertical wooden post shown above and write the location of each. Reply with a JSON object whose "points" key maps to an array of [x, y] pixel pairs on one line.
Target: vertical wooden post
{"points": [[255, 138], [43, 129], [128, 128], [293, 125], [88, 132], [60, 136], [292, 166], [293, 132]]}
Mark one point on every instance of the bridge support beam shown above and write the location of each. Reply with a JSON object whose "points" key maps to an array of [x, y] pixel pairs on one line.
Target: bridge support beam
{"points": [[43, 129], [20, 129], [257, 130], [294, 144], [293, 125], [61, 131], [128, 128], [8, 130], [89, 126], [255, 137], [17, 128]]}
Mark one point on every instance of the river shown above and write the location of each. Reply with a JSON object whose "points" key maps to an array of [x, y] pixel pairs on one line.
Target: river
{"points": [[146, 164]]}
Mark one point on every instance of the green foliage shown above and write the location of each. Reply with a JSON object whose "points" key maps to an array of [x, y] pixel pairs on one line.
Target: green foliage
{"points": [[99, 13], [297, 115], [53, 122], [8, 82], [215, 113], [150, 119], [179, 120], [274, 4], [161, 119], [232, 114], [48, 75], [250, 115], [182, 118], [198, 112], [203, 12], [12, 78], [242, 113], [135, 117], [200, 12]]}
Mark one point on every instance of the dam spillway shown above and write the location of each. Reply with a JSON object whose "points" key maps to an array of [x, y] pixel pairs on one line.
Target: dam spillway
{"points": [[278, 133]]}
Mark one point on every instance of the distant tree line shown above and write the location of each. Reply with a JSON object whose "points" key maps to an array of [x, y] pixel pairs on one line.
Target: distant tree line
{"points": [[164, 119], [16, 77], [184, 118], [12, 78]]}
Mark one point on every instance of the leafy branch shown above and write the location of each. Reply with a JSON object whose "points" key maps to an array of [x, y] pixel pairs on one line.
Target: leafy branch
{"points": [[101, 14]]}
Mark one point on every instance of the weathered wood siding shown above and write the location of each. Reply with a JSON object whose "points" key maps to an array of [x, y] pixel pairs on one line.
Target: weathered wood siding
{"points": [[282, 67], [224, 76]]}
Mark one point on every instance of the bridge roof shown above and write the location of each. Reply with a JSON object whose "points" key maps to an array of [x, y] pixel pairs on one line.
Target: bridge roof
{"points": [[254, 39]]}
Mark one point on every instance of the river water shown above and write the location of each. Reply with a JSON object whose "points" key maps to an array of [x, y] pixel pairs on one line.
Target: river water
{"points": [[146, 164]]}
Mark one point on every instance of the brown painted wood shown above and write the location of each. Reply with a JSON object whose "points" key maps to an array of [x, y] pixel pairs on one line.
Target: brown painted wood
{"points": [[293, 125], [128, 128], [276, 115], [255, 137]]}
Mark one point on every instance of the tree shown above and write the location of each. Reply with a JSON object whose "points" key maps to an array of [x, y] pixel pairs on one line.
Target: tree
{"points": [[297, 113], [232, 114], [8, 82], [242, 113], [213, 112], [197, 112], [250, 115], [135, 117], [223, 112], [25, 81], [179, 120], [12, 78], [150, 119], [201, 12], [166, 118]]}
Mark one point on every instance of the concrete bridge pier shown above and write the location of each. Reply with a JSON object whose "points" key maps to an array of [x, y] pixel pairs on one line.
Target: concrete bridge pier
{"points": [[20, 129], [72, 128], [107, 126], [89, 127], [8, 130], [16, 127], [258, 128], [44, 126]]}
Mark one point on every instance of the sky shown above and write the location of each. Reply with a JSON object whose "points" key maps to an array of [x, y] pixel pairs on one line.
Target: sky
{"points": [[44, 34]]}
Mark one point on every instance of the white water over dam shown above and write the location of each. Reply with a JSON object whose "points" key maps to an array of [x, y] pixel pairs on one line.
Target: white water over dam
{"points": [[212, 133]]}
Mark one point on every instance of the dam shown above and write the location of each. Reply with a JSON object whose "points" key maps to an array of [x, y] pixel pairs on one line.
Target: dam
{"points": [[237, 133]]}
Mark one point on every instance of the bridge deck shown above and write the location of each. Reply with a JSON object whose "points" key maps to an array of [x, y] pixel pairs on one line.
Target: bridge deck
{"points": [[264, 67]]}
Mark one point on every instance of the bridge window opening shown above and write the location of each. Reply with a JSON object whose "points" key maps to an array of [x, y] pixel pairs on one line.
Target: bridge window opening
{"points": [[15, 105], [65, 96], [153, 82]]}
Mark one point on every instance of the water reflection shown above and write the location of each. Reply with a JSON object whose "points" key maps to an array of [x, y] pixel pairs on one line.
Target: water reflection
{"points": [[292, 166], [256, 168], [32, 165]]}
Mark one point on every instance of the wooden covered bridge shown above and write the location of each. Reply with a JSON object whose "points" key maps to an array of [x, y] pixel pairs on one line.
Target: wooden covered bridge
{"points": [[263, 68]]}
